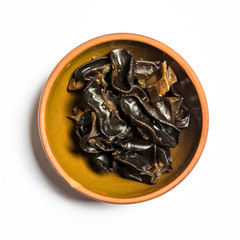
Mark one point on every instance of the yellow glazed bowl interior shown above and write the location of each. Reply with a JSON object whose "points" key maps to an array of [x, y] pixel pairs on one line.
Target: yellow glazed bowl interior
{"points": [[77, 168]]}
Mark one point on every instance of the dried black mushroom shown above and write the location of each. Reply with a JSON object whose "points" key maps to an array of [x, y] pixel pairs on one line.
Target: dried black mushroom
{"points": [[182, 116], [101, 143], [124, 118], [123, 64], [150, 108], [104, 161], [110, 122], [133, 144], [80, 72], [162, 134], [140, 160], [160, 82], [144, 70], [146, 166], [175, 111], [84, 141], [95, 69]]}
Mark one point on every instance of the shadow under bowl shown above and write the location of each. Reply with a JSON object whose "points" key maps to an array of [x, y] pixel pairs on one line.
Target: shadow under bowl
{"points": [[75, 167]]}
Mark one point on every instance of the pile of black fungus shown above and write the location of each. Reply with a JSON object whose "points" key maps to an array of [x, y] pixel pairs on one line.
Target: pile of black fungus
{"points": [[124, 116]]}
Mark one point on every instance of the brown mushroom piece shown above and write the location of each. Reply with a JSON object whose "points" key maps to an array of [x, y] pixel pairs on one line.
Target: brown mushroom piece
{"points": [[74, 85], [104, 161], [157, 112], [139, 93], [181, 110], [164, 135], [113, 97], [145, 69], [96, 68], [123, 65], [133, 144], [83, 69], [161, 106], [160, 82], [154, 163], [109, 120], [83, 121], [84, 144], [182, 117], [139, 160], [174, 109], [101, 143], [162, 165], [77, 114], [98, 74]]}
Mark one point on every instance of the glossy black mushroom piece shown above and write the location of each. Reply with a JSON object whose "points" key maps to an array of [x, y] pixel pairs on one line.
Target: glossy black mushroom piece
{"points": [[144, 166], [123, 65], [84, 141], [160, 82], [144, 70], [175, 111], [95, 69], [157, 113], [80, 72], [162, 134], [105, 161], [110, 122]]}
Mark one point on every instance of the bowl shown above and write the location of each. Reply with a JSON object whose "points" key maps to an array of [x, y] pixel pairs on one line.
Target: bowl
{"points": [[56, 130]]}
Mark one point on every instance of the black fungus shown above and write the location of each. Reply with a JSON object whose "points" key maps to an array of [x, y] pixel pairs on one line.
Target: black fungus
{"points": [[163, 134], [123, 64], [84, 141], [96, 63], [144, 70], [124, 118], [95, 69], [104, 161], [139, 160], [110, 122], [160, 82]]}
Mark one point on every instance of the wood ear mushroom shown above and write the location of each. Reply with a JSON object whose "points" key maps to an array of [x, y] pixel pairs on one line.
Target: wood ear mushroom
{"points": [[124, 119]]}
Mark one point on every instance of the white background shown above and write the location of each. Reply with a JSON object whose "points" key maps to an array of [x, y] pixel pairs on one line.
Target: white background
{"points": [[35, 203]]}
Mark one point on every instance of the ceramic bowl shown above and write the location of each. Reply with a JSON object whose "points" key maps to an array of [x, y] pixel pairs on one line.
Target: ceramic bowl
{"points": [[56, 129]]}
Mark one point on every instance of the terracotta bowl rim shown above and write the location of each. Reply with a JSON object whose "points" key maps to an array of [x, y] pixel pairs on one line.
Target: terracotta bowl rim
{"points": [[70, 56]]}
